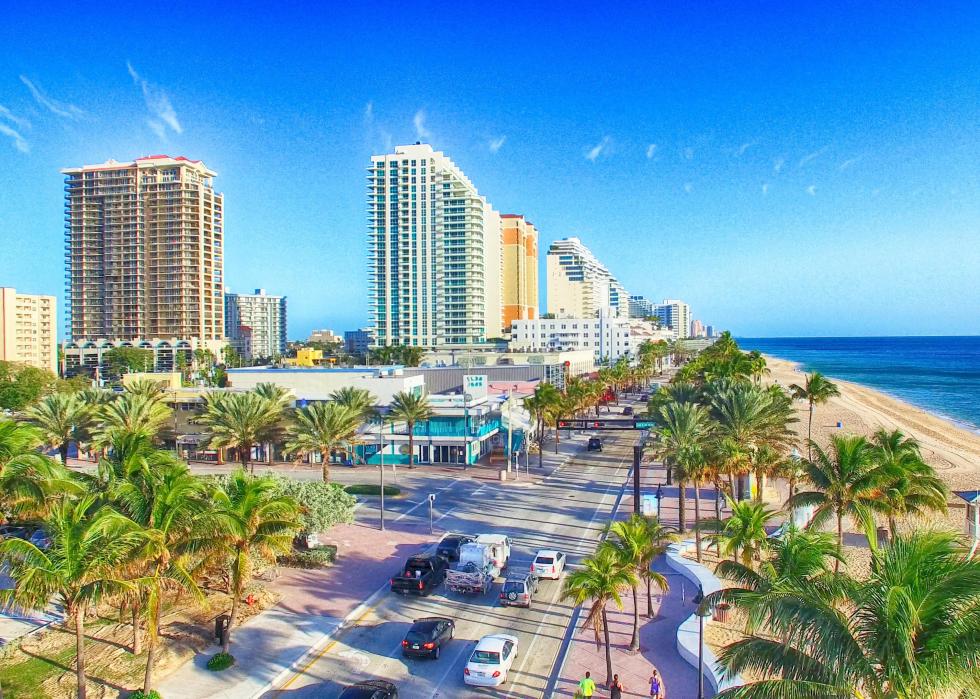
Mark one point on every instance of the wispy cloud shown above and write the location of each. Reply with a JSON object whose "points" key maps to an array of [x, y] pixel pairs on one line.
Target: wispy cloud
{"points": [[598, 149], [744, 147], [369, 112], [688, 153], [17, 121], [810, 157], [15, 138], [419, 121], [849, 163], [496, 144], [651, 149], [765, 188], [688, 187], [65, 110], [777, 165], [812, 190], [157, 101]]}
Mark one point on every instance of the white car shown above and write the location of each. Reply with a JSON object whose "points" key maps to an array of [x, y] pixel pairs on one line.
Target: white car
{"points": [[491, 660], [548, 564]]}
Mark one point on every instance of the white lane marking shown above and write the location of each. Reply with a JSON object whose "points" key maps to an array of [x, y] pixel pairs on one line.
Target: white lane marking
{"points": [[425, 502], [464, 647]]}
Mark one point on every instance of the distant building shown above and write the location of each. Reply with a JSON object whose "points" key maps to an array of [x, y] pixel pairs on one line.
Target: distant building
{"points": [[28, 332], [358, 341], [640, 307], [520, 269], [609, 338], [87, 357], [306, 356], [711, 331], [579, 286], [697, 328], [326, 337], [256, 324], [675, 315]]}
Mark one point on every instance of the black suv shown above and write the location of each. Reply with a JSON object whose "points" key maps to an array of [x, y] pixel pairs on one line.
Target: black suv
{"points": [[448, 546], [425, 638], [370, 689], [595, 444]]}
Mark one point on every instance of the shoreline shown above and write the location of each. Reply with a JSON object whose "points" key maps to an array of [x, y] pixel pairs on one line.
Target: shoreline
{"points": [[951, 447]]}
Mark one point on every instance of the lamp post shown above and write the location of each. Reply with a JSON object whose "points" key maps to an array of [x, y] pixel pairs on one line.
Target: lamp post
{"points": [[381, 454], [702, 611]]}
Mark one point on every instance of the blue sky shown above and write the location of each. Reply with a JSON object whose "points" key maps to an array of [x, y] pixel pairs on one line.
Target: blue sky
{"points": [[788, 171]]}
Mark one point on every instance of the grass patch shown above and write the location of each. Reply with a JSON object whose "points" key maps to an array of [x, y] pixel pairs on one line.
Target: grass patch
{"points": [[22, 679], [375, 490], [221, 661], [313, 558], [138, 694]]}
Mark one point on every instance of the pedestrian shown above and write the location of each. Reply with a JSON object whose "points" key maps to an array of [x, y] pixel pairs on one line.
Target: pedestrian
{"points": [[587, 686], [616, 688], [657, 687]]}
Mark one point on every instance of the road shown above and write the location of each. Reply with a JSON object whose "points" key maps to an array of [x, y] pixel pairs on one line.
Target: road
{"points": [[567, 511]]}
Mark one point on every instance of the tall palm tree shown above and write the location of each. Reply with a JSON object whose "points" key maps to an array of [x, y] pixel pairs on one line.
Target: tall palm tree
{"points": [[410, 356], [255, 524], [28, 479], [411, 409], [630, 544], [743, 534], [599, 581], [845, 481], [133, 413], [655, 541], [682, 427], [537, 407], [322, 427], [909, 485], [359, 400], [816, 390], [909, 630], [60, 419], [239, 421], [79, 567], [279, 399], [146, 387]]}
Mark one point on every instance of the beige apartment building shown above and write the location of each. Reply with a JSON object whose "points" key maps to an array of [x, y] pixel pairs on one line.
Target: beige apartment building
{"points": [[520, 271], [579, 285], [28, 332], [144, 244]]}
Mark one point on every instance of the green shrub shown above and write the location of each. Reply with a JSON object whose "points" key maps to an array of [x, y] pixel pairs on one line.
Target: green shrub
{"points": [[313, 558], [221, 661], [138, 694]]}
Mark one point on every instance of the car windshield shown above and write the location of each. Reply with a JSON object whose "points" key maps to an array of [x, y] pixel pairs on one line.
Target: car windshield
{"points": [[544, 560], [513, 586], [451, 542], [486, 657]]}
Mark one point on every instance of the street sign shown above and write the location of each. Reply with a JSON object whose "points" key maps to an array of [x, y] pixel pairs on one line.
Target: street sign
{"points": [[644, 424], [432, 497]]}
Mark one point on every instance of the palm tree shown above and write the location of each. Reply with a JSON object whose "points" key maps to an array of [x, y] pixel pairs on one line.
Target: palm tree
{"points": [[239, 421], [133, 413], [28, 479], [359, 400], [630, 544], [816, 390], [599, 581], [410, 356], [279, 399], [60, 418], [411, 409], [910, 486], [322, 427], [909, 630], [655, 541], [88, 544], [743, 534], [146, 387], [682, 427], [845, 481], [256, 523], [538, 406]]}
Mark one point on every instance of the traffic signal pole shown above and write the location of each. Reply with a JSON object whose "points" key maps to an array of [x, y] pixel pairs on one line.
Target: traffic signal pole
{"points": [[637, 454]]}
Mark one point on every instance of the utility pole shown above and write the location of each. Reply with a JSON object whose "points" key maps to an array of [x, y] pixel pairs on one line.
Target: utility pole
{"points": [[381, 453]]}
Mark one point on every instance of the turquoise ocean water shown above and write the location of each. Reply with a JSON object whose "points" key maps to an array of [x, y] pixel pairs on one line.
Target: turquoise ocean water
{"points": [[938, 374]]}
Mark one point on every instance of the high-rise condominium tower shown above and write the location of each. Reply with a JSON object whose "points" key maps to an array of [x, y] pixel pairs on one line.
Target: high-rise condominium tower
{"points": [[676, 315], [27, 329], [520, 275], [579, 286], [145, 248], [256, 324], [434, 252]]}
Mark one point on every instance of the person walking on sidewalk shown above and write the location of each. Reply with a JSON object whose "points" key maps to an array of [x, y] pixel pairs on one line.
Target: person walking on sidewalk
{"points": [[657, 686], [586, 688], [616, 688]]}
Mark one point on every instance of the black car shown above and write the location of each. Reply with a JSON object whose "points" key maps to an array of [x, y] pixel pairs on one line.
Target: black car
{"points": [[370, 689], [426, 637], [627, 410], [448, 547], [595, 444]]}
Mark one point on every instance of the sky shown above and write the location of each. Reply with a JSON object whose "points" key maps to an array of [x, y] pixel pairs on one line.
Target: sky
{"points": [[787, 170]]}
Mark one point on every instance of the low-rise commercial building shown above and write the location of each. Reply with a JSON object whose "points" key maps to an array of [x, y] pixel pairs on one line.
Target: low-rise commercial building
{"points": [[28, 329], [326, 337], [556, 365], [317, 384]]}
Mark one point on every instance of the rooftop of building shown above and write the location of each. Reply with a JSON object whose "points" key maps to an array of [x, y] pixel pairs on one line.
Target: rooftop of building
{"points": [[384, 370], [146, 160]]}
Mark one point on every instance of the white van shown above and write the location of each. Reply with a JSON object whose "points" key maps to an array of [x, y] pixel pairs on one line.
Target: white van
{"points": [[499, 547]]}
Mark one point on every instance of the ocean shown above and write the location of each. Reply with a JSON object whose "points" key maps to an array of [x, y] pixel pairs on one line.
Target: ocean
{"points": [[938, 374]]}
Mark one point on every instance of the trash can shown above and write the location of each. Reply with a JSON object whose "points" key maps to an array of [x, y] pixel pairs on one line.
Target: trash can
{"points": [[722, 610], [221, 628], [502, 474], [882, 533]]}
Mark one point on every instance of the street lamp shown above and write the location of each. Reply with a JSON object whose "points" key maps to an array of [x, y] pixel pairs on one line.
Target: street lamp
{"points": [[381, 454], [702, 611]]}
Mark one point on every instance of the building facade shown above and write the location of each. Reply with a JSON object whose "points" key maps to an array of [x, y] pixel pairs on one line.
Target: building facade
{"points": [[579, 286], [676, 315], [87, 357], [609, 338], [520, 271], [326, 337], [316, 384], [640, 307], [144, 244], [28, 329], [256, 324], [358, 341], [434, 252]]}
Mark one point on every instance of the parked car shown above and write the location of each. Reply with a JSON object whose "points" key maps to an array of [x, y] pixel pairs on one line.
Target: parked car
{"points": [[426, 637], [9, 531], [499, 548], [548, 564], [627, 410], [474, 571], [449, 546], [595, 444], [518, 590], [40, 539], [370, 689], [421, 575], [491, 660]]}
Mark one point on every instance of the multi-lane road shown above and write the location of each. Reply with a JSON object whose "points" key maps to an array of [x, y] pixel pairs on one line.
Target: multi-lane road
{"points": [[566, 511]]}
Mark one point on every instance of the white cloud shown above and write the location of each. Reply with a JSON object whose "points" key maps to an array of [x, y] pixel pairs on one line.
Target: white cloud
{"points": [[419, 121], [812, 190], [744, 147], [777, 164], [688, 187], [157, 102], [497, 143], [15, 138], [157, 127], [651, 149], [688, 153], [65, 110], [598, 149], [847, 164], [765, 188], [369, 111], [809, 157], [17, 121]]}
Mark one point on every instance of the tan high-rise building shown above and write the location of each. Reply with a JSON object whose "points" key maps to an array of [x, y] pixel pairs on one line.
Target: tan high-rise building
{"points": [[520, 272], [28, 332], [144, 245]]}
